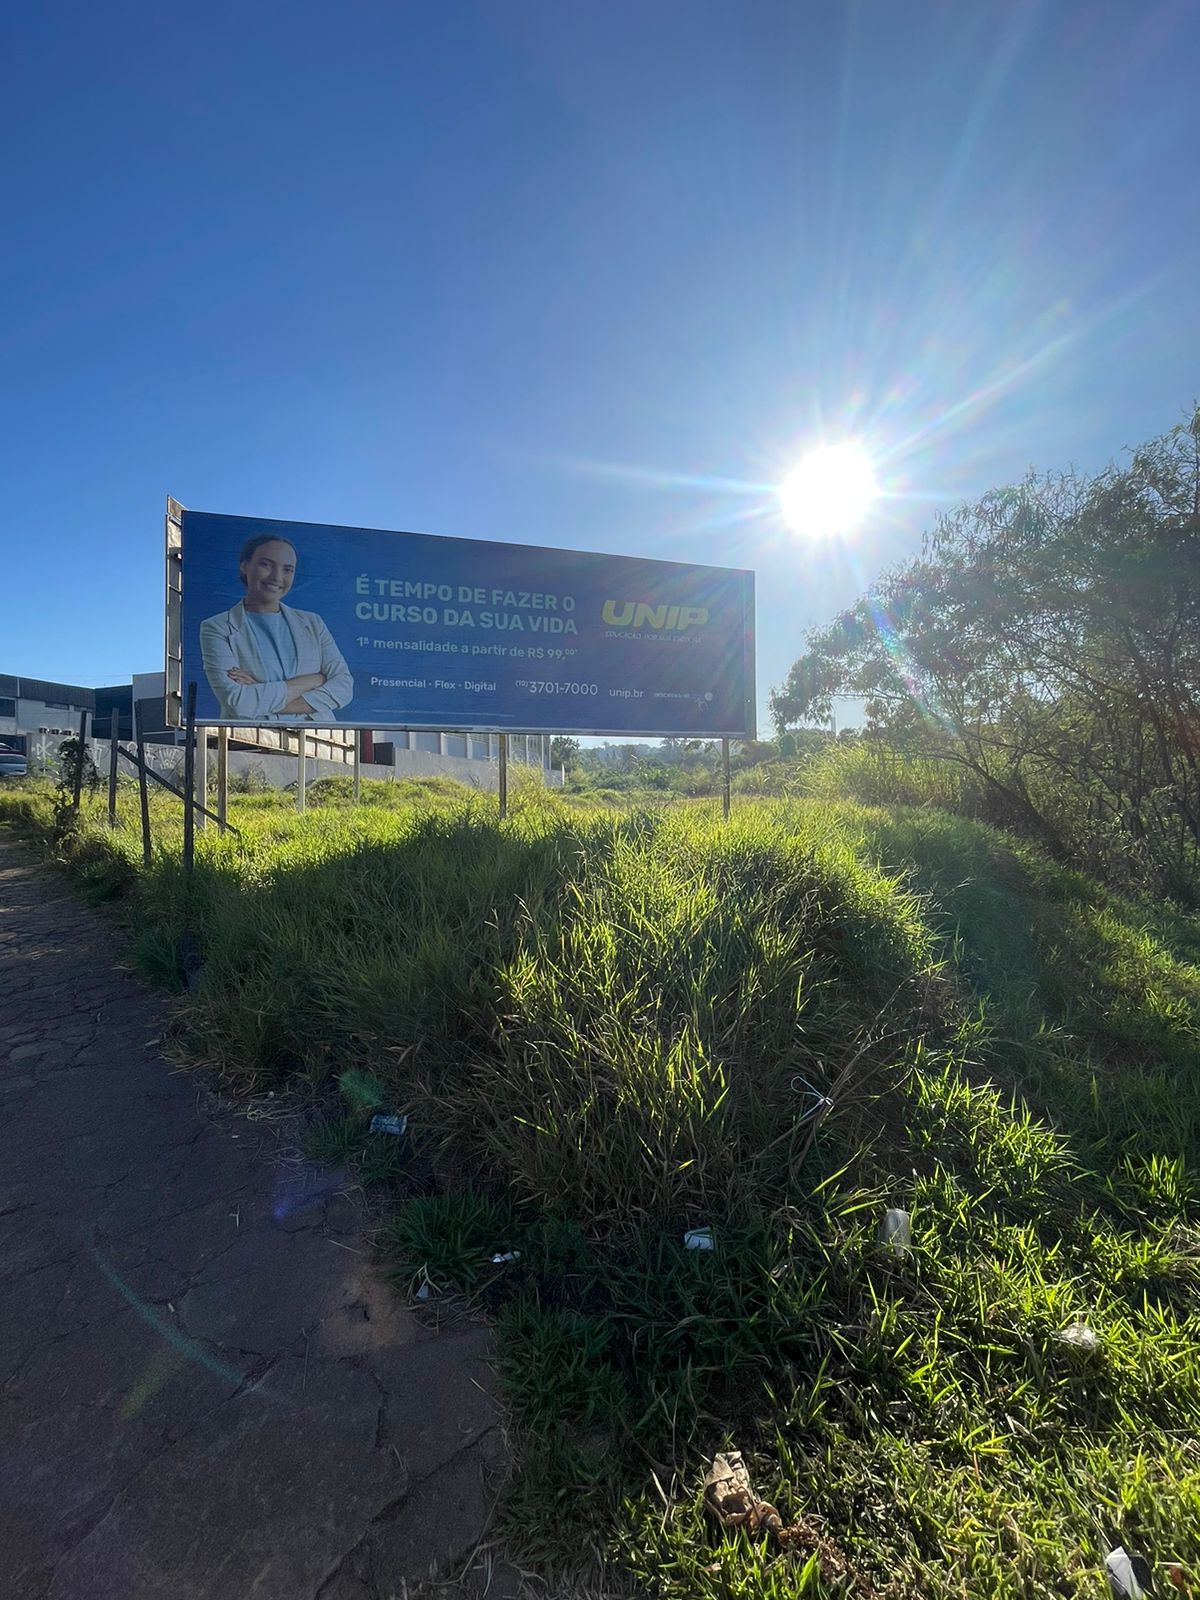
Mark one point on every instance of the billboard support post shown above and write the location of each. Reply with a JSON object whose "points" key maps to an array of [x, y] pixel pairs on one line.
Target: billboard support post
{"points": [[189, 784], [358, 744], [202, 776], [222, 777], [725, 778], [82, 758], [143, 799], [114, 735], [503, 760], [301, 768]]}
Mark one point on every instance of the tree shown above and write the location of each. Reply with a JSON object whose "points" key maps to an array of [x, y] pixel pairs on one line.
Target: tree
{"points": [[752, 752], [1046, 644], [565, 751], [72, 753]]}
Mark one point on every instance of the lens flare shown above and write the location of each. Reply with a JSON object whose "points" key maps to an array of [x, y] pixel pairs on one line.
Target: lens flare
{"points": [[829, 492]]}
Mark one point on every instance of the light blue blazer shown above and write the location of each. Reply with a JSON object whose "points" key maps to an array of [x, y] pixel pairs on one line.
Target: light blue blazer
{"points": [[227, 640]]}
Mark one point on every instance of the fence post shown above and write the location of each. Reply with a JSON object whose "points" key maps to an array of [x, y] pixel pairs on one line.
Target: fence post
{"points": [[358, 744], [725, 777], [202, 774], [82, 758], [189, 784], [114, 736], [301, 769], [222, 778], [143, 798], [503, 776]]}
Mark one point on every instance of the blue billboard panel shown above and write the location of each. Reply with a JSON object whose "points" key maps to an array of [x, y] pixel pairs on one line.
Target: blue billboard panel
{"points": [[293, 622]]}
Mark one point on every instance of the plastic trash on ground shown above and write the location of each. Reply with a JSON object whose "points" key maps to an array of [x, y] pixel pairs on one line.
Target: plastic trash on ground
{"points": [[507, 1255], [729, 1496], [813, 1102], [394, 1124], [1080, 1336], [1129, 1576], [896, 1231], [699, 1239]]}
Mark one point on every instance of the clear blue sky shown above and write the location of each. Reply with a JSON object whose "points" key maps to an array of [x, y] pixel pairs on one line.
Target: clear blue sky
{"points": [[580, 272]]}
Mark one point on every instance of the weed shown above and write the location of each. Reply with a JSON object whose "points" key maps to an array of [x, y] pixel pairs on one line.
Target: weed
{"points": [[618, 1025], [449, 1240]]}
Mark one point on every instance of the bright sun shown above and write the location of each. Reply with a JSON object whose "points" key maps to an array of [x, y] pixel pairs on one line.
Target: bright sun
{"points": [[830, 491]]}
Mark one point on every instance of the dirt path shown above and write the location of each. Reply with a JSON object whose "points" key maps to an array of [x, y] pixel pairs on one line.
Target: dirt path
{"points": [[203, 1392]]}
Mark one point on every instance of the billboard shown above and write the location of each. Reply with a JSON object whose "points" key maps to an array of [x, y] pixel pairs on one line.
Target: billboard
{"points": [[293, 622]]}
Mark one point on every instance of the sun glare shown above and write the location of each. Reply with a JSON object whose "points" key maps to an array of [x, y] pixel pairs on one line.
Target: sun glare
{"points": [[829, 492]]}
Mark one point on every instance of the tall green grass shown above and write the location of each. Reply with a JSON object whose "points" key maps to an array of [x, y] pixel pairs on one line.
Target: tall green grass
{"points": [[617, 1026]]}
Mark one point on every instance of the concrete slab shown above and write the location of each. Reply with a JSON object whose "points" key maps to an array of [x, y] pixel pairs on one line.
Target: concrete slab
{"points": [[205, 1392]]}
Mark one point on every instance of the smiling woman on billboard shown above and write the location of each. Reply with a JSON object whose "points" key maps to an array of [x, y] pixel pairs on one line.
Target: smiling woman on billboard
{"points": [[267, 662]]}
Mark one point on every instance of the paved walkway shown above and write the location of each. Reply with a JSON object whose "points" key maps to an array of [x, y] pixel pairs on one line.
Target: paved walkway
{"points": [[204, 1395]]}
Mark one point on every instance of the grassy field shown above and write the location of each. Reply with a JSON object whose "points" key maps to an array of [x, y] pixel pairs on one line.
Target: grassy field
{"points": [[609, 1027]]}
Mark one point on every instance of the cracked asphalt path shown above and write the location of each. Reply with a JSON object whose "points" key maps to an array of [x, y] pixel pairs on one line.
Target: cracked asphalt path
{"points": [[204, 1393]]}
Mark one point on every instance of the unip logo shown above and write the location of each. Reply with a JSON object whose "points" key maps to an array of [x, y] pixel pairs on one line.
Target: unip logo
{"points": [[637, 614]]}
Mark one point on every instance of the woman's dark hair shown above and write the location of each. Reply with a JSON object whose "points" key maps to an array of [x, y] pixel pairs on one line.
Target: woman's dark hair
{"points": [[254, 543]]}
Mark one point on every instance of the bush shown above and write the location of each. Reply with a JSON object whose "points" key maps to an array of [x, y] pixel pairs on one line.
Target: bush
{"points": [[249, 780]]}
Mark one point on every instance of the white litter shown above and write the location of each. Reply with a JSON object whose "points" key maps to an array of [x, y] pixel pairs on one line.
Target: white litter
{"points": [[699, 1239], [1081, 1336], [896, 1232], [815, 1103], [1128, 1576], [509, 1255]]}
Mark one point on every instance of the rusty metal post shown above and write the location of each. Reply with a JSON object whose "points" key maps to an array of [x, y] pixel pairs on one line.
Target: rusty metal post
{"points": [[189, 784], [114, 737]]}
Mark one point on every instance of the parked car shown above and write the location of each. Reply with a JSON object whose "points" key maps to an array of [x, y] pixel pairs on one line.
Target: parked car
{"points": [[12, 762]]}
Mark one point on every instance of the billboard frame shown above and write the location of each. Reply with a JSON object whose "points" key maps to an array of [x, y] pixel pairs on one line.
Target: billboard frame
{"points": [[174, 660]]}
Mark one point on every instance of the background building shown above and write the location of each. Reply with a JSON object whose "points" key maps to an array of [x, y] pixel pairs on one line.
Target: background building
{"points": [[36, 715], [33, 707]]}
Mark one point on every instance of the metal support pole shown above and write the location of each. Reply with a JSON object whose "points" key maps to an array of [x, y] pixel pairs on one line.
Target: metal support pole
{"points": [[202, 774], [222, 777], [189, 783], [358, 744], [725, 777], [301, 769], [82, 758], [144, 798], [163, 783], [503, 776], [114, 736]]}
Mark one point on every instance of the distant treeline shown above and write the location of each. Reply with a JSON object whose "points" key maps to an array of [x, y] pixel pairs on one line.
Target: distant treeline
{"points": [[691, 766]]}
